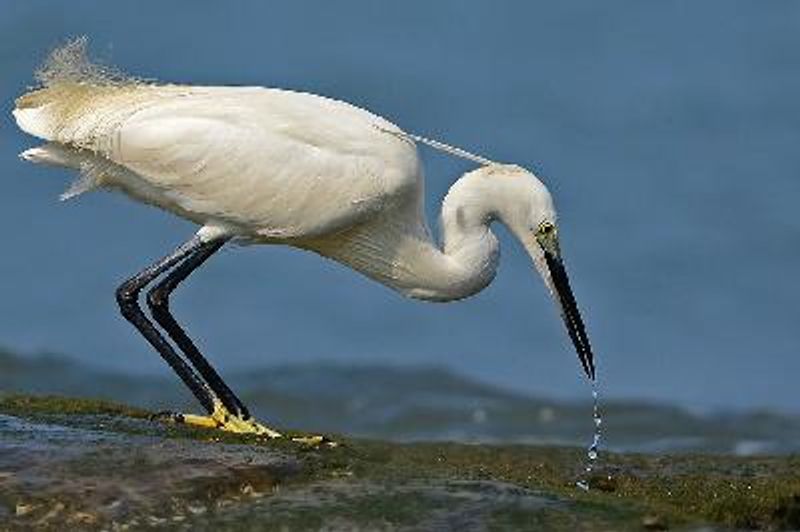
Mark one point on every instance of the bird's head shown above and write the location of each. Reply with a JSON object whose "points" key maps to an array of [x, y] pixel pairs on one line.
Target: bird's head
{"points": [[524, 204]]}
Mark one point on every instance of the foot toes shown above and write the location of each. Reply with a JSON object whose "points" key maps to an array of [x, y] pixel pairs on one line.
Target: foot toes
{"points": [[167, 416], [223, 420], [315, 441]]}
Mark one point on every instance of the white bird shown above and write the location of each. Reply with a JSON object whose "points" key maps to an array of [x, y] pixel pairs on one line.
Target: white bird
{"points": [[269, 166]]}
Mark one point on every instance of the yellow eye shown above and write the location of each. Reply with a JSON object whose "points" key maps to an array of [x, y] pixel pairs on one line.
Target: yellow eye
{"points": [[545, 228]]}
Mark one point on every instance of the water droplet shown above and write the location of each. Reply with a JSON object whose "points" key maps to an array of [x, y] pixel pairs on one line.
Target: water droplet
{"points": [[593, 452]]}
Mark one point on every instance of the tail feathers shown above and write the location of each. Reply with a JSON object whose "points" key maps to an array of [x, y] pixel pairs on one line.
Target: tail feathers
{"points": [[55, 154], [51, 154], [36, 121], [76, 106], [71, 104], [84, 183], [70, 113]]}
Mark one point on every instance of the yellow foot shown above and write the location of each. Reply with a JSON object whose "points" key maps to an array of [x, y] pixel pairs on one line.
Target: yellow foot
{"points": [[315, 440], [222, 419]]}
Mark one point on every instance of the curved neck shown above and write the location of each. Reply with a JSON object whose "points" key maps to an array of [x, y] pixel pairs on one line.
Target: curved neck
{"points": [[464, 265], [397, 249]]}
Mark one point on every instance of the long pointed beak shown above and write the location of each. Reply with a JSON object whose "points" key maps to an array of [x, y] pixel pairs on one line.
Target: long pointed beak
{"points": [[569, 308]]}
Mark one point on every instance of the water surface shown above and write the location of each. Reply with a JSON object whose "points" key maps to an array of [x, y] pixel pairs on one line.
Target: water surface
{"points": [[668, 134], [428, 404]]}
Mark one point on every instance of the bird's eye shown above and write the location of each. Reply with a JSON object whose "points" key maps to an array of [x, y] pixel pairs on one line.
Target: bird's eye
{"points": [[545, 228]]}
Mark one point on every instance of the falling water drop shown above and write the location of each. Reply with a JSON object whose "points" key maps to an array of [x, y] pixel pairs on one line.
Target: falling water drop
{"points": [[593, 452]]}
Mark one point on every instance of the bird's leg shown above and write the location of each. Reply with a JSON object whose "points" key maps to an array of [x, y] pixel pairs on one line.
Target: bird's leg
{"points": [[127, 298], [229, 413], [225, 411]]}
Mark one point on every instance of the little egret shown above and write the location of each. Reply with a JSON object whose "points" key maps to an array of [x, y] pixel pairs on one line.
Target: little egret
{"points": [[268, 166]]}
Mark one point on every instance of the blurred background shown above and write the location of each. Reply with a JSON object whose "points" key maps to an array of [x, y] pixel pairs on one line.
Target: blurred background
{"points": [[668, 133]]}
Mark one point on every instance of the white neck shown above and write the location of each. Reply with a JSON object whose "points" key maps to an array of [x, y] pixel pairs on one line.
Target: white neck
{"points": [[397, 249]]}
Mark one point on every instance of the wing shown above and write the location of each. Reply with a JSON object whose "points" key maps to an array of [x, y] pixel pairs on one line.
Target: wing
{"points": [[273, 163], [278, 163]]}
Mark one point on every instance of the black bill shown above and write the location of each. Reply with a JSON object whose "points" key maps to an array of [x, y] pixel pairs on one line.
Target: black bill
{"points": [[570, 313]]}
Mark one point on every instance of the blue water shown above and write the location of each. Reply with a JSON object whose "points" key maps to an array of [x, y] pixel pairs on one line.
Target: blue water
{"points": [[667, 131]]}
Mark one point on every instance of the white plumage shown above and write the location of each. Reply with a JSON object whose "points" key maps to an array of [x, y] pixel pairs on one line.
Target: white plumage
{"points": [[281, 167], [277, 166], [232, 155]]}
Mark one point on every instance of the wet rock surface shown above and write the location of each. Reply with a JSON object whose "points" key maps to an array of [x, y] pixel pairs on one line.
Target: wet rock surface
{"points": [[107, 470], [92, 465], [420, 404], [125, 471]]}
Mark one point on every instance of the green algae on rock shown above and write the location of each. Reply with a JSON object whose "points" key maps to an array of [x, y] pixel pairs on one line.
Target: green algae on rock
{"points": [[54, 405], [92, 464]]}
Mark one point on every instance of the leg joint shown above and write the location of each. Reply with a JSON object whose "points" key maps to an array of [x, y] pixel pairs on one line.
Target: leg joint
{"points": [[158, 299], [127, 295]]}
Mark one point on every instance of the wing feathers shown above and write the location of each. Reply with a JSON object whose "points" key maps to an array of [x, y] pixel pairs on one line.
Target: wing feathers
{"points": [[275, 163]]}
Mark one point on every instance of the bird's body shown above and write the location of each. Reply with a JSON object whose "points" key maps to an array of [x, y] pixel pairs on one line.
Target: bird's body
{"points": [[226, 156], [271, 166], [263, 166]]}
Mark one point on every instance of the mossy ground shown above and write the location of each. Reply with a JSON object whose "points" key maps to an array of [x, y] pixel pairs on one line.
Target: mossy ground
{"points": [[112, 466]]}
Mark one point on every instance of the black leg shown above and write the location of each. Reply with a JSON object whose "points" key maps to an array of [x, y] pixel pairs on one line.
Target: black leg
{"points": [[158, 301], [127, 297]]}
